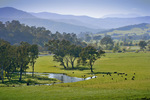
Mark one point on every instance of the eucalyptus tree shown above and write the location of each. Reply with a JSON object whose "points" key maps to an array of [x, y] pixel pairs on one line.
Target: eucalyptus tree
{"points": [[33, 56], [4, 54], [89, 55], [23, 57], [142, 45], [107, 42], [59, 49], [11, 64], [73, 53]]}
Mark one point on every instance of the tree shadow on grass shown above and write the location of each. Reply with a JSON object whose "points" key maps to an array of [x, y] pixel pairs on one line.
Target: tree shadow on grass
{"points": [[13, 82], [102, 73], [76, 68]]}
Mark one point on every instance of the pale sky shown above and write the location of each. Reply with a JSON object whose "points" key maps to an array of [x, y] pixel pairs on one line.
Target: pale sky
{"points": [[93, 8]]}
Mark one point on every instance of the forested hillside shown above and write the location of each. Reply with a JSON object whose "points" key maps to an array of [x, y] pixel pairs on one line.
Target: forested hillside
{"points": [[15, 32]]}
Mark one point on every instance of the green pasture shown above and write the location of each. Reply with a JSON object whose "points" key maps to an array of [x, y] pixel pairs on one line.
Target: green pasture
{"points": [[104, 87]]}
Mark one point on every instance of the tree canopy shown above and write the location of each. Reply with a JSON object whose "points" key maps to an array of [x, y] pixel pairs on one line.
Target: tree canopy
{"points": [[15, 32], [107, 42], [89, 55], [142, 45], [16, 58]]}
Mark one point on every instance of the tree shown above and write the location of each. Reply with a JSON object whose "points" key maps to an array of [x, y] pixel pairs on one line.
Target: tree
{"points": [[23, 57], [87, 37], [33, 56], [142, 45], [16, 57], [116, 48], [89, 55], [73, 53], [11, 64], [148, 47], [107, 42], [97, 37], [59, 49], [4, 54]]}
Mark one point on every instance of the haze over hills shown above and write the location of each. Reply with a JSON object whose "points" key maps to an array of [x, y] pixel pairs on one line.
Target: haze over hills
{"points": [[71, 19], [9, 14], [131, 15], [68, 23], [96, 23]]}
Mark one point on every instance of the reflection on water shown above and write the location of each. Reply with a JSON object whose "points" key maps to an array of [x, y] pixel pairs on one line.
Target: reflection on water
{"points": [[62, 77], [67, 79]]}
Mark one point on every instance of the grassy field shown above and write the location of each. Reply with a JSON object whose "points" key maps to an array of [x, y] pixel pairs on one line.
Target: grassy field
{"points": [[104, 87]]}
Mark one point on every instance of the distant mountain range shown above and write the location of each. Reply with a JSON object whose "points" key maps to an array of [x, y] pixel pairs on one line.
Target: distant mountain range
{"points": [[9, 14], [131, 15], [95, 23], [68, 23]]}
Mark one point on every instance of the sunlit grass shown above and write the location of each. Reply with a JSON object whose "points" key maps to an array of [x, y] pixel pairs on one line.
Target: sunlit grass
{"points": [[102, 87]]}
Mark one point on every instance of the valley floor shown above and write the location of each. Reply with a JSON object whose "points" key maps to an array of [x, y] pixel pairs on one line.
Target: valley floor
{"points": [[104, 87]]}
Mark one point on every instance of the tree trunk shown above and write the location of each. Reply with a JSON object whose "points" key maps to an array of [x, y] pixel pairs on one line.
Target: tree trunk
{"points": [[91, 66], [33, 70], [91, 69], [72, 63], [20, 74], [2, 74], [67, 63], [8, 75], [64, 66], [25, 72], [62, 63]]}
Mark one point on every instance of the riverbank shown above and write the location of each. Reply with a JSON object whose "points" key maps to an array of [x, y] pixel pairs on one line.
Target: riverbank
{"points": [[104, 87]]}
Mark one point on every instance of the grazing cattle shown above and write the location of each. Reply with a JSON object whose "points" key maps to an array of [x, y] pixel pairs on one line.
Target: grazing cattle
{"points": [[132, 78]]}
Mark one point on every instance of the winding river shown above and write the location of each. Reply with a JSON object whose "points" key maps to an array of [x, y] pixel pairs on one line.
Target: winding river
{"points": [[62, 77], [67, 79]]}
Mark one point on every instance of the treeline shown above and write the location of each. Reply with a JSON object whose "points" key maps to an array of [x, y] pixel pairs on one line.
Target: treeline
{"points": [[15, 32], [107, 43], [16, 58], [66, 53]]}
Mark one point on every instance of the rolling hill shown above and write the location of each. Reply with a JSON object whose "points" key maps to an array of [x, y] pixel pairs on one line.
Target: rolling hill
{"points": [[68, 23], [137, 29], [131, 32], [95, 23], [9, 14]]}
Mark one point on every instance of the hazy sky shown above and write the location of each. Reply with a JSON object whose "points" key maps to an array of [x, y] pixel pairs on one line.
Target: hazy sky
{"points": [[93, 8]]}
